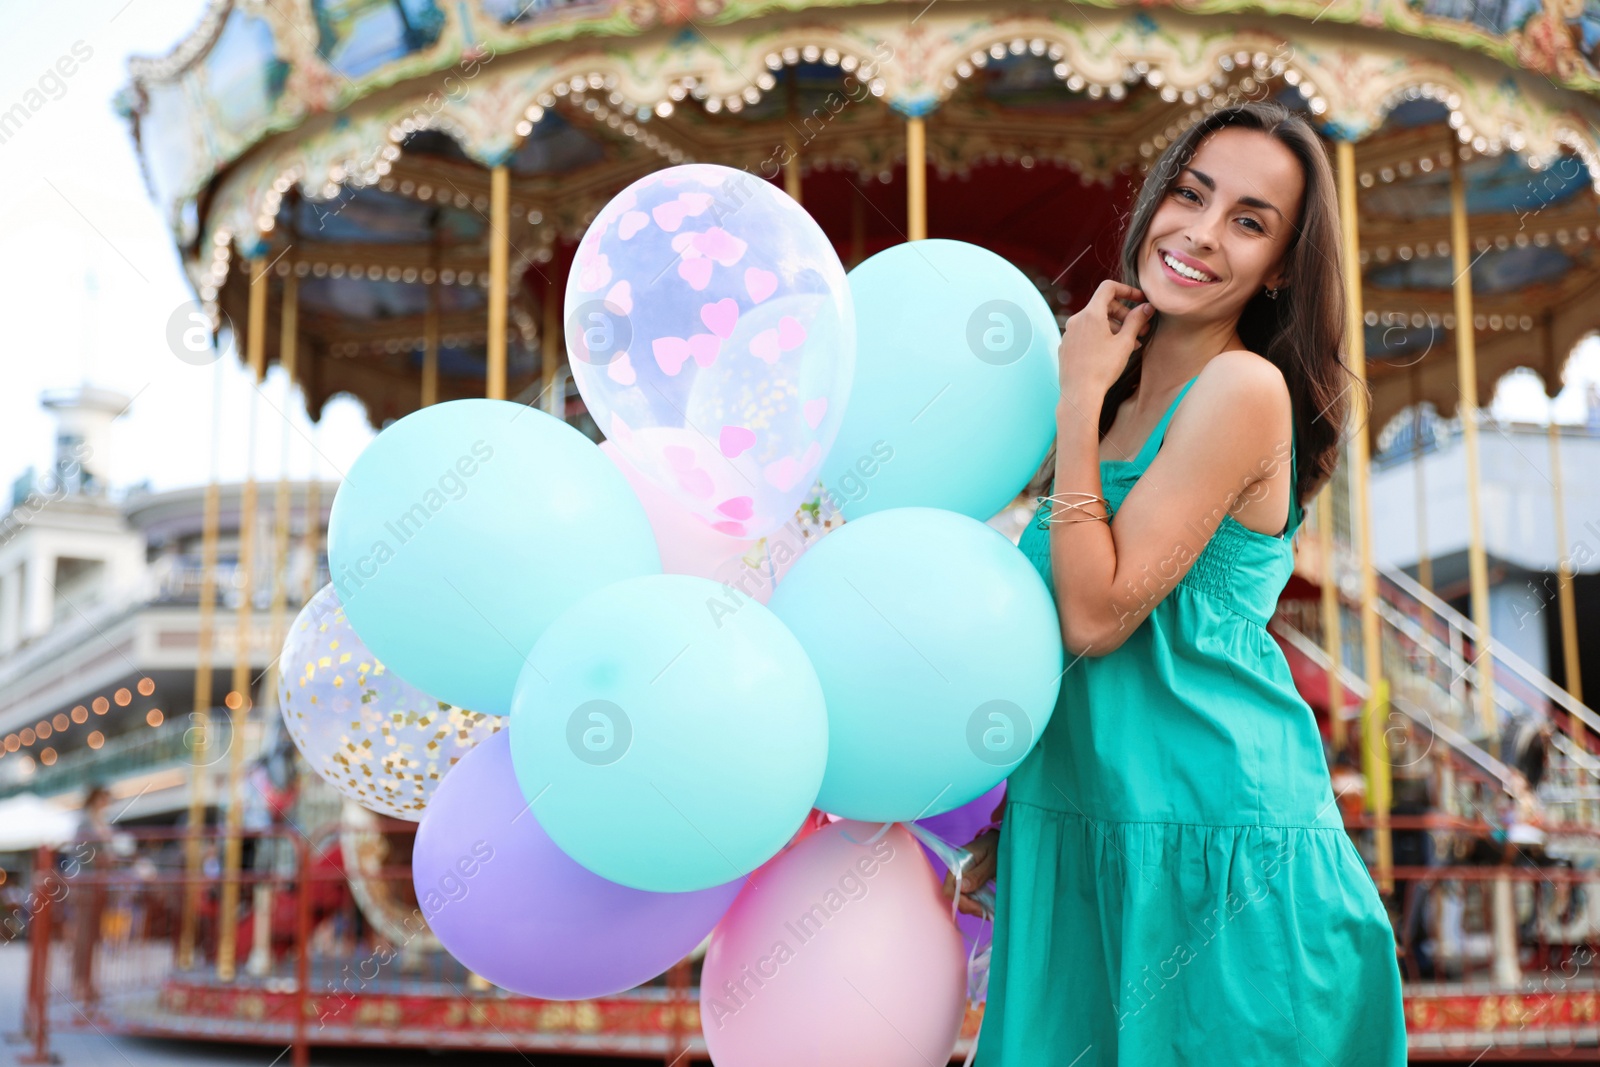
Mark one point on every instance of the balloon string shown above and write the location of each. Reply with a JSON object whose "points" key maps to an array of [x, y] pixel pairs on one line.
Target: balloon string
{"points": [[956, 859], [881, 831]]}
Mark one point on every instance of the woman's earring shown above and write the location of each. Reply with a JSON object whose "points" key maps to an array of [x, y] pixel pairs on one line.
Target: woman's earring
{"points": [[1272, 294]]}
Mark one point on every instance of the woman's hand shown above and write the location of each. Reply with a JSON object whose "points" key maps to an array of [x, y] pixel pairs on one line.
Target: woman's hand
{"points": [[979, 871], [1097, 341]]}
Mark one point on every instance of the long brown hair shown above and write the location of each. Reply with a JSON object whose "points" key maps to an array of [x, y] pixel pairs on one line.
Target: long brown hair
{"points": [[1302, 332]]}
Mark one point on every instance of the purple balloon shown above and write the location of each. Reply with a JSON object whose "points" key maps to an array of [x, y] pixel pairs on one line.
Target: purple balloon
{"points": [[958, 826], [513, 907]]}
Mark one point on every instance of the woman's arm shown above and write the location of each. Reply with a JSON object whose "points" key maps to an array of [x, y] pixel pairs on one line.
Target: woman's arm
{"points": [[1229, 436]]}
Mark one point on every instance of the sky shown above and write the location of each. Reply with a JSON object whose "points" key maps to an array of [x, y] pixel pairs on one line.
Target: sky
{"points": [[90, 276], [89, 273]]}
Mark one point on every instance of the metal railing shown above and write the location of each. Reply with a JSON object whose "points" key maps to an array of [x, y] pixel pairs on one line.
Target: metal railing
{"points": [[342, 958]]}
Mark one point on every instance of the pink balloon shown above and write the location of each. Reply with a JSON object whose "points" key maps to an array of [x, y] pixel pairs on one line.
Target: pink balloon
{"points": [[836, 951], [689, 546]]}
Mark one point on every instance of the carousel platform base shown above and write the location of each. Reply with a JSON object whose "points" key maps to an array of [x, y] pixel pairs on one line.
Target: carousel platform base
{"points": [[642, 1023], [1445, 1022], [1479, 1021]]}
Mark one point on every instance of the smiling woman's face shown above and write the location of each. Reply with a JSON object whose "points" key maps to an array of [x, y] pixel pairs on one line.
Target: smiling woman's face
{"points": [[1227, 221]]}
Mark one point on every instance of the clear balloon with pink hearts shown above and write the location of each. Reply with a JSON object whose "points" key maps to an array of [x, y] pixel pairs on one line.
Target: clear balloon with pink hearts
{"points": [[710, 331]]}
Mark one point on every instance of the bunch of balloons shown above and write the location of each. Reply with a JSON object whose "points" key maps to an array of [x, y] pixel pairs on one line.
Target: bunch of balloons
{"points": [[733, 646]]}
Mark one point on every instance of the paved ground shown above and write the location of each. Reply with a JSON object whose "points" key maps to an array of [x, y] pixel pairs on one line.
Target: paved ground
{"points": [[101, 1050]]}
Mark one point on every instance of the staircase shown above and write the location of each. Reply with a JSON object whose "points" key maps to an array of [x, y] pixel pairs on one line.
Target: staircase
{"points": [[1432, 659]]}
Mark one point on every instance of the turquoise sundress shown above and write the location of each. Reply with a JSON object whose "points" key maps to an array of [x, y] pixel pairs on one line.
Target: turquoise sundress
{"points": [[1175, 885]]}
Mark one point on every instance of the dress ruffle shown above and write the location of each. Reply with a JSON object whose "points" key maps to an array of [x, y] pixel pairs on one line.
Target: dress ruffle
{"points": [[1167, 943]]}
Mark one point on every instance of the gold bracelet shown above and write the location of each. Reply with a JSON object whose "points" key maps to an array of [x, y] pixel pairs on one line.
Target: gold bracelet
{"points": [[1061, 498], [1044, 522]]}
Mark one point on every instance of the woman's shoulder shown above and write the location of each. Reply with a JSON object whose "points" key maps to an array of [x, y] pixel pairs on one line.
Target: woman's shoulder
{"points": [[1241, 371], [1239, 389]]}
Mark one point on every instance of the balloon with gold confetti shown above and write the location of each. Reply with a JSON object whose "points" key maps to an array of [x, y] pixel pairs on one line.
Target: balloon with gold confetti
{"points": [[377, 739]]}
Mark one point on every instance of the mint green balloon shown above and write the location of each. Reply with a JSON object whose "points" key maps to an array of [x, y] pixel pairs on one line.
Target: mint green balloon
{"points": [[956, 383], [669, 733], [464, 528], [939, 650]]}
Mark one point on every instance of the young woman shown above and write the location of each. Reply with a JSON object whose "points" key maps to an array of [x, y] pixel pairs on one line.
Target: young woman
{"points": [[1174, 884]]}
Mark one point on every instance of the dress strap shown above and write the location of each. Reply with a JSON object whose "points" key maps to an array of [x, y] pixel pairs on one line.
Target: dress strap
{"points": [[1153, 442], [1296, 515]]}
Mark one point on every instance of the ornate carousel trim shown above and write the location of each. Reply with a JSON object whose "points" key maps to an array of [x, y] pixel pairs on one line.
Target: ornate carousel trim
{"points": [[636, 40], [625, 89]]}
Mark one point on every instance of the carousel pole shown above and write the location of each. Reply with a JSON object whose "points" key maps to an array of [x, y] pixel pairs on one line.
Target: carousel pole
{"points": [[791, 166], [1374, 746], [916, 179], [1424, 561], [1503, 921], [201, 717], [238, 699], [1332, 637], [260, 962], [430, 333], [499, 257], [1568, 605], [1467, 383], [550, 346], [311, 540]]}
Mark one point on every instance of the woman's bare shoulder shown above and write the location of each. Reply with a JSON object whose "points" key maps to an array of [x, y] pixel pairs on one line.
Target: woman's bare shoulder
{"points": [[1242, 394]]}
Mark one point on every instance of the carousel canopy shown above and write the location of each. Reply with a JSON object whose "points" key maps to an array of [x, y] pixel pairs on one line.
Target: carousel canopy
{"points": [[348, 145]]}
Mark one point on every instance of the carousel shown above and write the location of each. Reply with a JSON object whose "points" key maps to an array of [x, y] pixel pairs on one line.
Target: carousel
{"points": [[384, 197]]}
